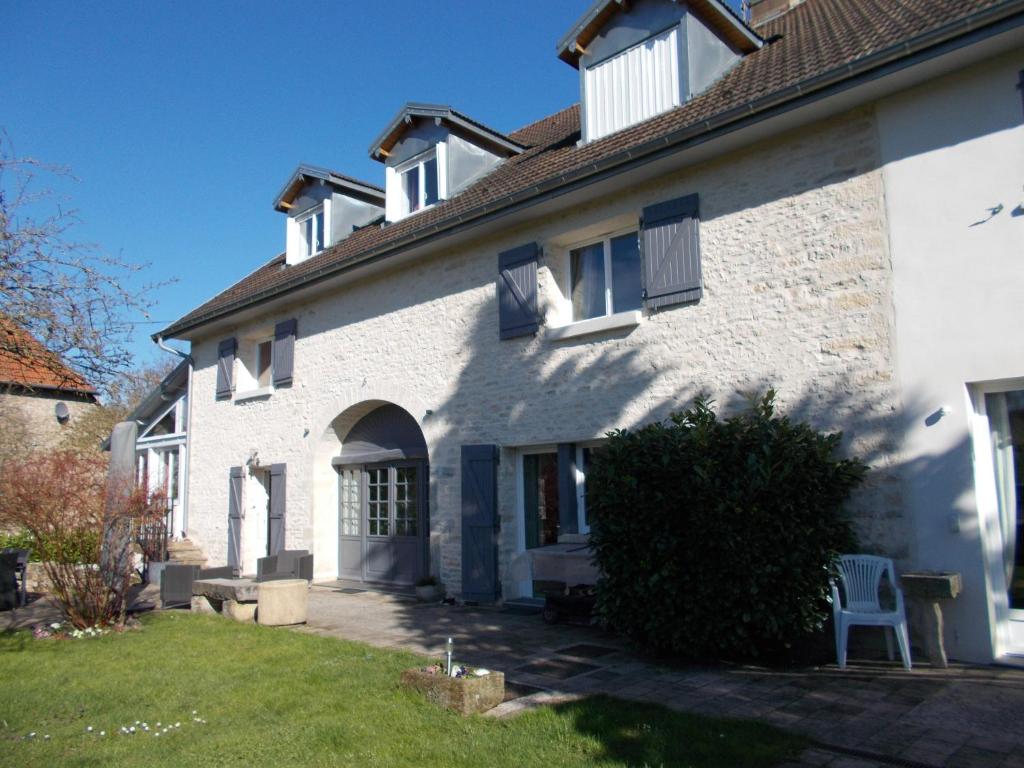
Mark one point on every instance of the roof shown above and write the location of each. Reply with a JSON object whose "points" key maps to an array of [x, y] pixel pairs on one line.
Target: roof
{"points": [[26, 362], [170, 387], [715, 14], [411, 112], [345, 184], [816, 45]]}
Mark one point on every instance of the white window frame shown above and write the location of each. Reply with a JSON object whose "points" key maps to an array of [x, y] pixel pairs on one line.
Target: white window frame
{"points": [[249, 359], [305, 247], [419, 161], [1004, 642], [566, 327]]}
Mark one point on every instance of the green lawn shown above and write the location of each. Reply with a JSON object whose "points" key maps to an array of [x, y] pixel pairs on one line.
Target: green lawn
{"points": [[276, 697]]}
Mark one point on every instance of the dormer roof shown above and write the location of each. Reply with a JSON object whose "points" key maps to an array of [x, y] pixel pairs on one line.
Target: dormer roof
{"points": [[717, 15], [346, 185], [480, 134]]}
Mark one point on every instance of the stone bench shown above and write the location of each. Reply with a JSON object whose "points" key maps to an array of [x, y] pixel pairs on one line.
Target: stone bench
{"points": [[234, 598]]}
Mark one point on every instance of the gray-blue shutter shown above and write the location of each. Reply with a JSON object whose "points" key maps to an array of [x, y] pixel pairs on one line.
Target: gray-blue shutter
{"points": [[226, 367], [670, 248], [235, 475], [284, 352], [568, 520], [480, 522], [277, 508], [517, 291]]}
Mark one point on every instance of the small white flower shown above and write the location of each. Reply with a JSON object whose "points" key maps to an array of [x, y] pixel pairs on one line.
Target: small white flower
{"points": [[55, 625], [103, 733], [194, 712], [32, 735], [46, 737], [132, 729], [158, 725], [177, 725], [88, 729]]}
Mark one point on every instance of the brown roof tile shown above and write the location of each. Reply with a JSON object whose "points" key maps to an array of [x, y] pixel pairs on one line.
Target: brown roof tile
{"points": [[813, 40], [25, 362]]}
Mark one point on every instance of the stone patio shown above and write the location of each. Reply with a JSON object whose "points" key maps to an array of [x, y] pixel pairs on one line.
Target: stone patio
{"points": [[872, 714]]}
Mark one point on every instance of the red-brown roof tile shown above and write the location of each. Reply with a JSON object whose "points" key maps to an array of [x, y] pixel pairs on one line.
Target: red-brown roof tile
{"points": [[25, 362]]}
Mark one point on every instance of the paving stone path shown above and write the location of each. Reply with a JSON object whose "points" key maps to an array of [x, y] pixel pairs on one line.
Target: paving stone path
{"points": [[871, 714]]}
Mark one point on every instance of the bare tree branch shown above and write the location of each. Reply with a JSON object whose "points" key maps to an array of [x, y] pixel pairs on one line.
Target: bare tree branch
{"points": [[75, 300]]}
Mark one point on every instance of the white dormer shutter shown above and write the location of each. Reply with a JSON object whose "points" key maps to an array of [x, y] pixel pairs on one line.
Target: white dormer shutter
{"points": [[632, 86], [293, 246], [394, 202]]}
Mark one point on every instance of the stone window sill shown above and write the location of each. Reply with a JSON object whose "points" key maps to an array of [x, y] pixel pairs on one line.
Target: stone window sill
{"points": [[253, 394], [595, 325]]}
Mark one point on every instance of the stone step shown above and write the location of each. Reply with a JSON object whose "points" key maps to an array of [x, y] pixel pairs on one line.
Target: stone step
{"points": [[185, 552]]}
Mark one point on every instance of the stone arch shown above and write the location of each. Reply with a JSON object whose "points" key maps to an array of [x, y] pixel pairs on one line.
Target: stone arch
{"points": [[335, 421]]}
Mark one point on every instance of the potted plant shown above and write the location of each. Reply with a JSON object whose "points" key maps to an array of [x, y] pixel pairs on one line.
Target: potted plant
{"points": [[429, 590], [466, 690]]}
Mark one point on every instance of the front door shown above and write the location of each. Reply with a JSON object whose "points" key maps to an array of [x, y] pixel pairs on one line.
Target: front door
{"points": [[383, 522], [1002, 411]]}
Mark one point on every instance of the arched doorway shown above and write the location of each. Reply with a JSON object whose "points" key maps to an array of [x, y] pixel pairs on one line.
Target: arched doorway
{"points": [[383, 519]]}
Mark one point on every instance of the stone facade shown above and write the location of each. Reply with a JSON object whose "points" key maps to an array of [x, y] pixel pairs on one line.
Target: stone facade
{"points": [[797, 296], [28, 421]]}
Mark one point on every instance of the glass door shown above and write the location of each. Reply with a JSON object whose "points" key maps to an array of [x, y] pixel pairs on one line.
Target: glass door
{"points": [[1005, 412]]}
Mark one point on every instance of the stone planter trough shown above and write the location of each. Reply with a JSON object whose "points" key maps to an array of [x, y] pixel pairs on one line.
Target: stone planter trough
{"points": [[465, 695]]}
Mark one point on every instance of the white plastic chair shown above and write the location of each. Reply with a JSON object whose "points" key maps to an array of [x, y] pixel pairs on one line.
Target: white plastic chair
{"points": [[861, 576]]}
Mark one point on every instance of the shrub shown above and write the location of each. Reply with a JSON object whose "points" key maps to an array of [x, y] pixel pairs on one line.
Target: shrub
{"points": [[66, 503], [715, 538]]}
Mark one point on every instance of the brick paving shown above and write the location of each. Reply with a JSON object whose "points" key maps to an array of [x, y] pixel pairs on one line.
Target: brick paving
{"points": [[872, 714]]}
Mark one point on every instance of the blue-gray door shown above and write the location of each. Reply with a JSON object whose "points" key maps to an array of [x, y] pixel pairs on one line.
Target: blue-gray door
{"points": [[383, 522], [480, 522]]}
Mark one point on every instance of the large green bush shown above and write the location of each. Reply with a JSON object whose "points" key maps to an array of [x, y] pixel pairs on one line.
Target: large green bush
{"points": [[715, 538]]}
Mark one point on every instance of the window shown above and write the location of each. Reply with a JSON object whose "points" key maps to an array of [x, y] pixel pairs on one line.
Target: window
{"points": [[584, 458], [311, 232], [264, 363], [604, 277], [419, 182]]}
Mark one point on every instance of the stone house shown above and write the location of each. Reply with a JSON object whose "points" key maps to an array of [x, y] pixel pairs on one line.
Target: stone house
{"points": [[826, 200], [40, 397]]}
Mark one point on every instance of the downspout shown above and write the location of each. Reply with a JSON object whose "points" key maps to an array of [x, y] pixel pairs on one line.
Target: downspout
{"points": [[188, 428]]}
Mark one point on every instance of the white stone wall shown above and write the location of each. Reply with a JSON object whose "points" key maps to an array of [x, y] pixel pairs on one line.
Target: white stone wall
{"points": [[953, 156], [797, 296]]}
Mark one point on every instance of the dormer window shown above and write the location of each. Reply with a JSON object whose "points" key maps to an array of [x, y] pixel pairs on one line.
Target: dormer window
{"points": [[311, 232], [431, 153], [324, 207], [638, 60], [420, 182]]}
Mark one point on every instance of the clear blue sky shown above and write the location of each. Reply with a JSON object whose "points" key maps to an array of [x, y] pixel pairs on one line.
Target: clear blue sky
{"points": [[183, 120]]}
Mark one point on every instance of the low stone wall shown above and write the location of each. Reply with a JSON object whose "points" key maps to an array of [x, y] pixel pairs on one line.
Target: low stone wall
{"points": [[37, 579]]}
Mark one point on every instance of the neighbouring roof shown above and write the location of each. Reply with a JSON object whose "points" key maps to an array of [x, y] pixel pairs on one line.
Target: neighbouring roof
{"points": [[817, 44], [25, 362], [410, 113], [717, 15], [345, 184]]}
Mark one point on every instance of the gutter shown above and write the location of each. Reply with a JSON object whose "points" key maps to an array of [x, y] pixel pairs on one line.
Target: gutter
{"points": [[866, 69]]}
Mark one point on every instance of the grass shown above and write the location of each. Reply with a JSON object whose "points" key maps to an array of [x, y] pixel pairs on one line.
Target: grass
{"points": [[276, 697]]}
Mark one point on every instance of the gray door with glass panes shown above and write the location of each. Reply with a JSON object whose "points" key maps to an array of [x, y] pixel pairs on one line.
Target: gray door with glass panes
{"points": [[383, 521]]}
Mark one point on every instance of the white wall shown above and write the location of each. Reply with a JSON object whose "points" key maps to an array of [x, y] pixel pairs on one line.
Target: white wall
{"points": [[796, 295], [953, 150]]}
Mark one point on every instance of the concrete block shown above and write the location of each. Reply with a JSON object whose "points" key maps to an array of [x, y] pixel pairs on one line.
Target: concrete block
{"points": [[242, 612], [465, 695], [201, 605], [282, 602]]}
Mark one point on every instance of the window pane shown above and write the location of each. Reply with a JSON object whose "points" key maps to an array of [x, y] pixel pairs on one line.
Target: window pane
{"points": [[350, 503], [411, 183], [306, 233], [377, 504], [430, 181], [405, 504], [625, 273], [586, 269], [263, 357], [540, 502], [319, 242]]}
